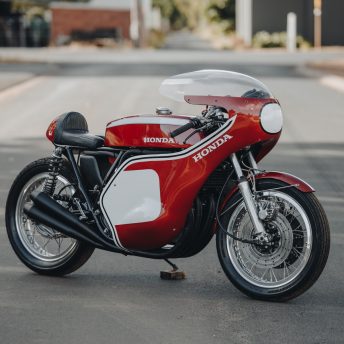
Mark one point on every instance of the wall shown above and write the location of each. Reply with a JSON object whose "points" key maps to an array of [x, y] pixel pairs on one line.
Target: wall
{"points": [[66, 20], [333, 26], [271, 16]]}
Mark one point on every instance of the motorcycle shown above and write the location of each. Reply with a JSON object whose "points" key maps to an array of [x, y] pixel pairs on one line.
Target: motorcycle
{"points": [[161, 186]]}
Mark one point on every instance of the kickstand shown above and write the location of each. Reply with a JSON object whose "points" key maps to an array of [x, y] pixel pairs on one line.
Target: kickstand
{"points": [[174, 274]]}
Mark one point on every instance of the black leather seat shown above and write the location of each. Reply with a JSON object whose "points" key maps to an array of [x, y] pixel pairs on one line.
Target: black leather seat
{"points": [[72, 130]]}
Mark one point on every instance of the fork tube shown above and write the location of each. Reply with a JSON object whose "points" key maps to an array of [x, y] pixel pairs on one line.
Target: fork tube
{"points": [[253, 162], [245, 190]]}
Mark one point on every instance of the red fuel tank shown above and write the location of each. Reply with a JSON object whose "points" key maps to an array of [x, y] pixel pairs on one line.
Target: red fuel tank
{"points": [[149, 131]]}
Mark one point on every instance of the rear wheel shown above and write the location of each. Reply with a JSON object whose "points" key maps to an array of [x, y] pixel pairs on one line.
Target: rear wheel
{"points": [[41, 248], [298, 249]]}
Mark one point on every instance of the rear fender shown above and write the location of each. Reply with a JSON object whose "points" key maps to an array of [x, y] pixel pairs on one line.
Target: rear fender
{"points": [[286, 178]]}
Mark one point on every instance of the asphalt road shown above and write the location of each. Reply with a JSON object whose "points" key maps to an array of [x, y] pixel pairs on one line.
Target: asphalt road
{"points": [[113, 299]]}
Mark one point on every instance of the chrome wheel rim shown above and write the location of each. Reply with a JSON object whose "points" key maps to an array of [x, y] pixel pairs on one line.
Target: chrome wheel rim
{"points": [[281, 265], [43, 242]]}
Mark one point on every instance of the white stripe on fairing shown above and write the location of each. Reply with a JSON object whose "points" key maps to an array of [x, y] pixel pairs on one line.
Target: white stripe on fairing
{"points": [[158, 157], [148, 120]]}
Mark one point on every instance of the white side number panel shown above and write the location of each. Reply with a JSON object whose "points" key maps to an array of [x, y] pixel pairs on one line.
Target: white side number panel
{"points": [[133, 197]]}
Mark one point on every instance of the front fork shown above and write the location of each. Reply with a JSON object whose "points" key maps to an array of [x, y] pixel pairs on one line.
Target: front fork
{"points": [[244, 187]]}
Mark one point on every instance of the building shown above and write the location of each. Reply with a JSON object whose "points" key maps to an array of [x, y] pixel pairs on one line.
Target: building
{"points": [[253, 16], [19, 29], [118, 19], [11, 31]]}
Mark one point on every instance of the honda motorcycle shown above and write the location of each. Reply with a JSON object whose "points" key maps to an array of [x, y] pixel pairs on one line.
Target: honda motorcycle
{"points": [[161, 186]]}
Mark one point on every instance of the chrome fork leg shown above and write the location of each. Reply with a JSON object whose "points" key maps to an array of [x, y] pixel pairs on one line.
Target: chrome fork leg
{"points": [[253, 162], [246, 193]]}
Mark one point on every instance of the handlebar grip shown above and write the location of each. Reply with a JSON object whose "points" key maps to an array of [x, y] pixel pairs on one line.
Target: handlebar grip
{"points": [[183, 128]]}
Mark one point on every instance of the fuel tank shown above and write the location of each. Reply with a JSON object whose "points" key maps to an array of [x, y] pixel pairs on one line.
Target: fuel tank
{"points": [[149, 131]]}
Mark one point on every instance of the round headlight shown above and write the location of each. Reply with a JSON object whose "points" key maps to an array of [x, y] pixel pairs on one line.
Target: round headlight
{"points": [[271, 118]]}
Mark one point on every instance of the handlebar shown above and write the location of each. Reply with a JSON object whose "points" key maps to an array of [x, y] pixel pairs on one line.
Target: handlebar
{"points": [[192, 124], [210, 117]]}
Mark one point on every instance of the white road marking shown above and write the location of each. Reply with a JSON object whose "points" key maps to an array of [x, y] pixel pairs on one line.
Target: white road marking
{"points": [[16, 90], [333, 81]]}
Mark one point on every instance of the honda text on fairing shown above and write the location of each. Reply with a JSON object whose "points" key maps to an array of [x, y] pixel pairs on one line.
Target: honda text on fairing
{"points": [[160, 186]]}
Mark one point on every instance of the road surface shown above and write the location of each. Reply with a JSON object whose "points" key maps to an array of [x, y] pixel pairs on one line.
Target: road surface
{"points": [[113, 299]]}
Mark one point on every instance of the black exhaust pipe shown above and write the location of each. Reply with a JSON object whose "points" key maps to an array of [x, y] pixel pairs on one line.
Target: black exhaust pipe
{"points": [[50, 213], [42, 217]]}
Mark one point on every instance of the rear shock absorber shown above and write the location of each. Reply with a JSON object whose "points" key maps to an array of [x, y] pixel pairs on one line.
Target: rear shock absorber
{"points": [[55, 165]]}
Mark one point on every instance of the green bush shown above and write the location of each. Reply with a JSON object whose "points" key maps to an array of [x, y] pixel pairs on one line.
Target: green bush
{"points": [[263, 39]]}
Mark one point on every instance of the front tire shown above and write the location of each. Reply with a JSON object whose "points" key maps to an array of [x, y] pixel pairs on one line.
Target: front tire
{"points": [[40, 248], [301, 246]]}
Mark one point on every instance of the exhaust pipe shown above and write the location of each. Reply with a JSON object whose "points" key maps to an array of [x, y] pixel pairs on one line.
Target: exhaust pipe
{"points": [[47, 211], [38, 215], [50, 213]]}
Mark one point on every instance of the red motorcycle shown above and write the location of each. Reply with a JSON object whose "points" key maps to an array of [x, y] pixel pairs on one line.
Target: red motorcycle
{"points": [[160, 186]]}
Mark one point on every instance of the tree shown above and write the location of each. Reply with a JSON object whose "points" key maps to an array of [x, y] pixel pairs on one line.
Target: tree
{"points": [[166, 7], [171, 11], [222, 11]]}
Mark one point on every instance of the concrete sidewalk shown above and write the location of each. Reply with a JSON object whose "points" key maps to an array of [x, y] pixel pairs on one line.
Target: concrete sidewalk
{"points": [[103, 55], [186, 40]]}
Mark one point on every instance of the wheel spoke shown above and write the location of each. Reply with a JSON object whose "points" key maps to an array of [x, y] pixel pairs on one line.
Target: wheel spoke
{"points": [[266, 270], [298, 253], [46, 243], [41, 241], [273, 274], [285, 258]]}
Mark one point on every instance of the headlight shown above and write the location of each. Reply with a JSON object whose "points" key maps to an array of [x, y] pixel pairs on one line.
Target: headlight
{"points": [[271, 118]]}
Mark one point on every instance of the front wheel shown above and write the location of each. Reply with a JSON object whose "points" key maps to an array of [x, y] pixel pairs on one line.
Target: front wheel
{"points": [[298, 248]]}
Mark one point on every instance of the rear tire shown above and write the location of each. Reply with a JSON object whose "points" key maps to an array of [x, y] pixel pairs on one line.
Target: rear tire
{"points": [[311, 265], [22, 234]]}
